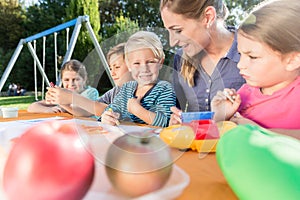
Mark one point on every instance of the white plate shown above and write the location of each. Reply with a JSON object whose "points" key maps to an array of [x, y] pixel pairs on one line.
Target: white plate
{"points": [[102, 189]]}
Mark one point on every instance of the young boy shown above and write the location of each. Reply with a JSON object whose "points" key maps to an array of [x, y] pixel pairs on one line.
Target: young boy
{"points": [[146, 99]]}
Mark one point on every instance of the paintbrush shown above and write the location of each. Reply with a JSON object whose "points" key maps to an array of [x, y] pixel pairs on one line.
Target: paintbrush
{"points": [[228, 96]]}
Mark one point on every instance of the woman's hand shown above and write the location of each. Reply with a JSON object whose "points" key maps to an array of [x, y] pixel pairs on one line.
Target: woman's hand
{"points": [[175, 116], [57, 95], [225, 104], [110, 117]]}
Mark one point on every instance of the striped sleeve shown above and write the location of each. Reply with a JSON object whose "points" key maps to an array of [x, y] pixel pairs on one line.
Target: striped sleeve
{"points": [[119, 103], [164, 98]]}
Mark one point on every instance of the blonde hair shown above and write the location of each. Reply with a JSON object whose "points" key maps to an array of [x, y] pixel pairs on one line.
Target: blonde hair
{"points": [[142, 40], [193, 9], [275, 24], [116, 50]]}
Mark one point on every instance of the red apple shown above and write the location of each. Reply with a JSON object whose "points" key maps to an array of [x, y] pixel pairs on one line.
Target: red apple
{"points": [[49, 161], [138, 163]]}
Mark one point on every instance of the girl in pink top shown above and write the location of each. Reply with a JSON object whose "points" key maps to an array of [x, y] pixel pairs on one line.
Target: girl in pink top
{"points": [[269, 44]]}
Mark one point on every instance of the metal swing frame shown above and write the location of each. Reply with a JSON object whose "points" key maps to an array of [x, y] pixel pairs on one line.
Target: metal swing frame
{"points": [[70, 47]]}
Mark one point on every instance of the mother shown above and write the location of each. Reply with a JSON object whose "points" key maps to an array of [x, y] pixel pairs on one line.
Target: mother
{"points": [[208, 57]]}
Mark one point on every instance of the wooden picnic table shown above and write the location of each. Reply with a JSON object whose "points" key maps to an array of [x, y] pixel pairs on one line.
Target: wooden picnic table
{"points": [[206, 179]]}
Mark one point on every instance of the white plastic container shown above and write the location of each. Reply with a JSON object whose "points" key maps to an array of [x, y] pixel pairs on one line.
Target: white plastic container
{"points": [[9, 112]]}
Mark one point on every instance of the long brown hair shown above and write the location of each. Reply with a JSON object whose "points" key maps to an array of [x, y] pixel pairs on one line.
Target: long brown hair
{"points": [[192, 9], [76, 66], [275, 23]]}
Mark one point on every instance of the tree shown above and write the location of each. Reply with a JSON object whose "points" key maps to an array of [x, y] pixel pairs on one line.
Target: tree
{"points": [[120, 31], [238, 9], [79, 8], [84, 45], [147, 13], [11, 24], [144, 13], [40, 17], [11, 30]]}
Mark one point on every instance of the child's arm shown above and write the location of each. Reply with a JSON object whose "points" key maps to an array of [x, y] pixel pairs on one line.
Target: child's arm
{"points": [[74, 103], [224, 105], [289, 132], [43, 107], [238, 119], [134, 107], [160, 112]]}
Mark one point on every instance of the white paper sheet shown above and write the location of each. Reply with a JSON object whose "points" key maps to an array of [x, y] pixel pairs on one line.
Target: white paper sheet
{"points": [[101, 188]]}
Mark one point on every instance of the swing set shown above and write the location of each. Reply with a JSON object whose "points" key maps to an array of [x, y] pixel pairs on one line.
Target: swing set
{"points": [[70, 45]]}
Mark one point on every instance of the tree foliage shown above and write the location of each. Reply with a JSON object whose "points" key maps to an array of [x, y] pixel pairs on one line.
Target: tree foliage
{"points": [[11, 30], [11, 24], [40, 17], [144, 13], [238, 9], [80, 8], [110, 19]]}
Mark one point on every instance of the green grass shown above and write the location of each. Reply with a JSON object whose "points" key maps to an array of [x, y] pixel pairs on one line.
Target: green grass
{"points": [[22, 102]]}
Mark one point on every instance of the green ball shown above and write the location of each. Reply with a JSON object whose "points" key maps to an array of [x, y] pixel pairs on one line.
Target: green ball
{"points": [[260, 164]]}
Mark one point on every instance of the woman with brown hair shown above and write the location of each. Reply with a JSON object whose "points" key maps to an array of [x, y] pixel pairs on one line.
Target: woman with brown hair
{"points": [[207, 59]]}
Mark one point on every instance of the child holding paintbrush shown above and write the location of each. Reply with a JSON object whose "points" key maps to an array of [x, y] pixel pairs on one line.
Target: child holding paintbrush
{"points": [[145, 100], [74, 78], [270, 64]]}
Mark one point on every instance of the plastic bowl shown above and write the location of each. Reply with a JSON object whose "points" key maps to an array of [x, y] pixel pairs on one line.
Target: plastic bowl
{"points": [[9, 112], [187, 117]]}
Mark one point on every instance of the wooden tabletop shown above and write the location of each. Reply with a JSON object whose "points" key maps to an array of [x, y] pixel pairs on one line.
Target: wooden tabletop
{"points": [[24, 115], [206, 179]]}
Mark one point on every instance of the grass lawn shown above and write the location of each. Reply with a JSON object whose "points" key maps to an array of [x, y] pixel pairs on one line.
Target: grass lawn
{"points": [[22, 102]]}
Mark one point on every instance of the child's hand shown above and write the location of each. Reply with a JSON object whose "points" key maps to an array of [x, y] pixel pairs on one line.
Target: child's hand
{"points": [[239, 119], [110, 117], [225, 104], [133, 104], [56, 109], [175, 116], [57, 95]]}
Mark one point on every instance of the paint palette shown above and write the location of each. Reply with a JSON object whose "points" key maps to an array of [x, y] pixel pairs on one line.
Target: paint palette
{"points": [[187, 117]]}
